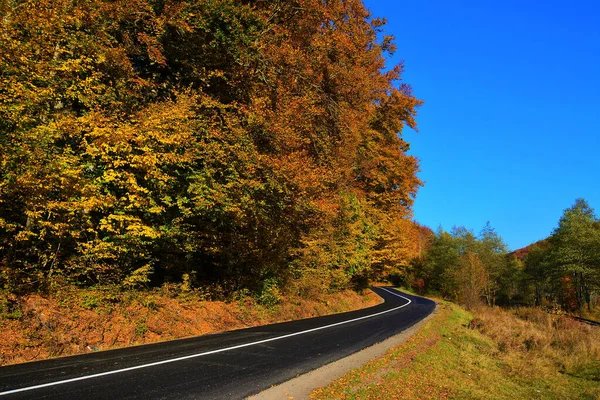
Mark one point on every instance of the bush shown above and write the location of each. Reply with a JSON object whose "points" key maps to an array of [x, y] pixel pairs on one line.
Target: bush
{"points": [[270, 294]]}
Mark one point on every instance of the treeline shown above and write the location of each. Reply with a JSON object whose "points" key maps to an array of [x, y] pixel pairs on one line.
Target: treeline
{"points": [[468, 268], [561, 271], [565, 268], [224, 143]]}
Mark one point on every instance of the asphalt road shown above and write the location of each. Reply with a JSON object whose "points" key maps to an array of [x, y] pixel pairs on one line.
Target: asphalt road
{"points": [[230, 365]]}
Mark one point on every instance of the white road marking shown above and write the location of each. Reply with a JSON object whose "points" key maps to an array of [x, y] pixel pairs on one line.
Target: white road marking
{"points": [[117, 371]]}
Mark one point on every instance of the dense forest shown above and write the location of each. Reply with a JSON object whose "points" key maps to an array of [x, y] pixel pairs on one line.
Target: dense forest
{"points": [[229, 145], [220, 144], [561, 272]]}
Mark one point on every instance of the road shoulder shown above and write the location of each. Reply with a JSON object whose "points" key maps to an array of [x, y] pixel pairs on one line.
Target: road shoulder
{"points": [[301, 386]]}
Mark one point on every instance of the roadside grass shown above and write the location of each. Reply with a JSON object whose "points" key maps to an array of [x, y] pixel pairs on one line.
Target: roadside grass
{"points": [[74, 320], [487, 354]]}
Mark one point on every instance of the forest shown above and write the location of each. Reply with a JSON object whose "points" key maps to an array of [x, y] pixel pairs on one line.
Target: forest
{"points": [[223, 145], [235, 146]]}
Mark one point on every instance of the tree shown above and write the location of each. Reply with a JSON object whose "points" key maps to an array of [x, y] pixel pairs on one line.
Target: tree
{"points": [[491, 250], [465, 267], [433, 266], [575, 243], [472, 279], [514, 288], [538, 269]]}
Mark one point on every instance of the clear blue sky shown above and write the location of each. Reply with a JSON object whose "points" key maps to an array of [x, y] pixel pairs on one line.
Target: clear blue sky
{"points": [[510, 129]]}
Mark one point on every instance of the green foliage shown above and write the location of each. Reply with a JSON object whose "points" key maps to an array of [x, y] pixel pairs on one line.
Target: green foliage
{"points": [[563, 270], [141, 328], [468, 268], [576, 250], [537, 268], [566, 267], [139, 277], [343, 252], [270, 294], [90, 301]]}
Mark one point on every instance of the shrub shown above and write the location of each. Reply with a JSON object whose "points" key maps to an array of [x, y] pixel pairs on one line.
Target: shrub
{"points": [[270, 294]]}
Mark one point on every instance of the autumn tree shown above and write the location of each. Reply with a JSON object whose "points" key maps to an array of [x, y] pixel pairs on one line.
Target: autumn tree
{"points": [[231, 143], [472, 280]]}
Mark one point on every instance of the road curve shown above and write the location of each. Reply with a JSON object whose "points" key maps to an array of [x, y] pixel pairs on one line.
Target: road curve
{"points": [[230, 365]]}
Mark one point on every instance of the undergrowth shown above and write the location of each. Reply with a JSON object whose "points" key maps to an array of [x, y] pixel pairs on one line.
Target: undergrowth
{"points": [[75, 320]]}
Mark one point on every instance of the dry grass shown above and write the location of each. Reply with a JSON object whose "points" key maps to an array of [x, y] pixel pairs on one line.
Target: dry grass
{"points": [[77, 321], [487, 354], [538, 343]]}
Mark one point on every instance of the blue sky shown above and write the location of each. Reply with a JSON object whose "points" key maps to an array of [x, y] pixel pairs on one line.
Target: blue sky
{"points": [[510, 129]]}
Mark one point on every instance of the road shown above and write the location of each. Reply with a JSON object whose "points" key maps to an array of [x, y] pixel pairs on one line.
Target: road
{"points": [[229, 365]]}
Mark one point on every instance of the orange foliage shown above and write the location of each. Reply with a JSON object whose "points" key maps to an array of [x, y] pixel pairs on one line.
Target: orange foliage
{"points": [[147, 141], [88, 321]]}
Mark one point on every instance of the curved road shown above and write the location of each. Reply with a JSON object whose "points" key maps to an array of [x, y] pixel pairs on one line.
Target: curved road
{"points": [[228, 365]]}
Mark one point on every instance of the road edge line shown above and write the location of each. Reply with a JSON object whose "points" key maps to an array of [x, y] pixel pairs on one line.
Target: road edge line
{"points": [[172, 360], [300, 387]]}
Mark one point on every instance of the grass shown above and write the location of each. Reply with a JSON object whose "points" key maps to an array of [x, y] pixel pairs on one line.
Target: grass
{"points": [[487, 354]]}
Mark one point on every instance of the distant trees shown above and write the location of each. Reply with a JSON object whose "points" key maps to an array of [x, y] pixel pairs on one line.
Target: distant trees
{"points": [[562, 270], [566, 267], [221, 143], [576, 250], [465, 267]]}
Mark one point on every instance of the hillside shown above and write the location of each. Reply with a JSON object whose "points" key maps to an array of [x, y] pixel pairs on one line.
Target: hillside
{"points": [[522, 252]]}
